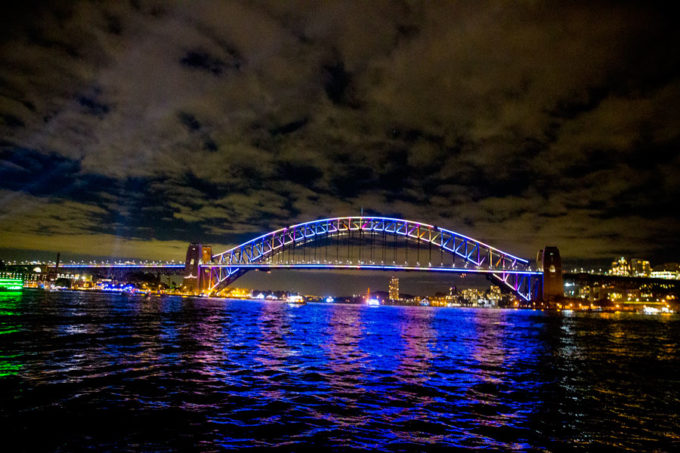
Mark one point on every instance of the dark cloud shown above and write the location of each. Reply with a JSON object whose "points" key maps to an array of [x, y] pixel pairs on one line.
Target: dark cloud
{"points": [[209, 145], [11, 121], [34, 172], [93, 107], [114, 24], [518, 123], [337, 83], [289, 128], [204, 61], [189, 121]]}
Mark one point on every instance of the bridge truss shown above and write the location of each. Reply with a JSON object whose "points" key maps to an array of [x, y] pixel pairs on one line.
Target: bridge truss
{"points": [[467, 255]]}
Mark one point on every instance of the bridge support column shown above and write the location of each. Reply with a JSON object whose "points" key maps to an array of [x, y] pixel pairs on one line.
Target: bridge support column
{"points": [[53, 273], [197, 278], [536, 288], [550, 263]]}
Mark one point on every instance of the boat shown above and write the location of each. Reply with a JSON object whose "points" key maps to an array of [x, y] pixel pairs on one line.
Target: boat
{"points": [[371, 301], [296, 301]]}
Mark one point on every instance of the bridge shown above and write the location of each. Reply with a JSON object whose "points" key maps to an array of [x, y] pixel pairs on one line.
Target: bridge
{"points": [[363, 243], [358, 243]]}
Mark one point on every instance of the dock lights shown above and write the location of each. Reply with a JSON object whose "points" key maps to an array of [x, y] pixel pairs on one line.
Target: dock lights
{"points": [[11, 284]]}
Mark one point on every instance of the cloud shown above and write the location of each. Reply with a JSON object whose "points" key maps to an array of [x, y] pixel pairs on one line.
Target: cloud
{"points": [[514, 122]]}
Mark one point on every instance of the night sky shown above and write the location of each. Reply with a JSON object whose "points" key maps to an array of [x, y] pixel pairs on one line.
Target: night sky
{"points": [[131, 128]]}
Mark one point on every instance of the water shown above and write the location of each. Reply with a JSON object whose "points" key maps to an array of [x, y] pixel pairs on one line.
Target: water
{"points": [[111, 372]]}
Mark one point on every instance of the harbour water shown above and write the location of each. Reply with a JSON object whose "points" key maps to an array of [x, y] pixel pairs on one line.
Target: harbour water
{"points": [[110, 372]]}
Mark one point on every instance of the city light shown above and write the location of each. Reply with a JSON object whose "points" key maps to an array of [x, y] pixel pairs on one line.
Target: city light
{"points": [[11, 284]]}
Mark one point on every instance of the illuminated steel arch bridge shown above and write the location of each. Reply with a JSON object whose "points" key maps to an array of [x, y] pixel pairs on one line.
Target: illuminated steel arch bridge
{"points": [[363, 243]]}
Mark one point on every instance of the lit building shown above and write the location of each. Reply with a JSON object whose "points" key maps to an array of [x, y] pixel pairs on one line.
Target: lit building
{"points": [[640, 268], [494, 295], [634, 268], [473, 296], [667, 271], [671, 275], [620, 267], [237, 293], [394, 288], [451, 297]]}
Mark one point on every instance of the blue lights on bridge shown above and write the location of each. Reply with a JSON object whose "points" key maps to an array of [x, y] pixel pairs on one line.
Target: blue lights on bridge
{"points": [[368, 267], [277, 249], [259, 253], [121, 266]]}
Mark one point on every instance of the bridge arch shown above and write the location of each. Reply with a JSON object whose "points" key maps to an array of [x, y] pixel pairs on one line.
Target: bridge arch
{"points": [[474, 256]]}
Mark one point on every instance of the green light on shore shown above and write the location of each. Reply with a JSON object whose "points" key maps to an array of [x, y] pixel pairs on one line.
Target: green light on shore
{"points": [[9, 368], [11, 284]]}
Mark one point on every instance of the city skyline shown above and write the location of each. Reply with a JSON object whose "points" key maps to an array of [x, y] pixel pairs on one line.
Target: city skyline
{"points": [[131, 130]]}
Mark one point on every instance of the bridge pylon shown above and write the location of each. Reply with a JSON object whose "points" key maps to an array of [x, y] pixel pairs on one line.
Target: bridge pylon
{"points": [[550, 262], [196, 276]]}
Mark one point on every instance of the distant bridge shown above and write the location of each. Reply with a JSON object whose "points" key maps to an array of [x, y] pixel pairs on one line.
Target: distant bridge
{"points": [[364, 243], [122, 266], [359, 243]]}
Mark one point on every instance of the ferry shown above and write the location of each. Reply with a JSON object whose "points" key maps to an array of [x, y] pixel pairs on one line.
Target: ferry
{"points": [[655, 311], [371, 301], [296, 301]]}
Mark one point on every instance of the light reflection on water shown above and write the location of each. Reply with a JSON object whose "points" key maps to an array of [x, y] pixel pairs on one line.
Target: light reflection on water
{"points": [[116, 372]]}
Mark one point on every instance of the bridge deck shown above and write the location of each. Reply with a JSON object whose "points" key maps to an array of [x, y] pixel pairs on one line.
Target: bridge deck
{"points": [[377, 267]]}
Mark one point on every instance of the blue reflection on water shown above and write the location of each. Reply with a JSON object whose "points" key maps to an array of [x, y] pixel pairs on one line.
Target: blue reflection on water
{"points": [[213, 372]]}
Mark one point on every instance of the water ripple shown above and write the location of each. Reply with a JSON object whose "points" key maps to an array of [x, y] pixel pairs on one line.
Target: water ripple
{"points": [[111, 372]]}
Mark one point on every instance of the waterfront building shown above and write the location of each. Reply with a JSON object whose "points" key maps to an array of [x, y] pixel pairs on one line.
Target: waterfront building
{"points": [[635, 267], [640, 268], [669, 271], [394, 288], [473, 296], [620, 267], [670, 275], [237, 293], [494, 295]]}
